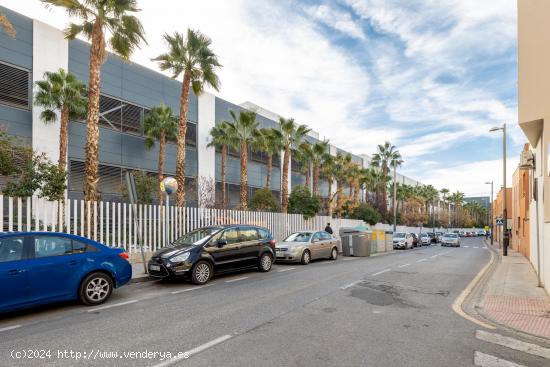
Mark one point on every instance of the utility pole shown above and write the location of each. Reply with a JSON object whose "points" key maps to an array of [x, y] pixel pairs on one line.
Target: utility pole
{"points": [[506, 239], [394, 198]]}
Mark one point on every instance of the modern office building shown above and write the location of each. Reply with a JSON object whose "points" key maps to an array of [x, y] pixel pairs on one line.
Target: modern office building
{"points": [[484, 201]]}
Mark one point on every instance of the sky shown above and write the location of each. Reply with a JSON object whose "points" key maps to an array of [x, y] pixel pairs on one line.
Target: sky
{"points": [[430, 76]]}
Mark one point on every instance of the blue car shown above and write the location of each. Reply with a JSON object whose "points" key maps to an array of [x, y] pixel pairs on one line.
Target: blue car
{"points": [[44, 267]]}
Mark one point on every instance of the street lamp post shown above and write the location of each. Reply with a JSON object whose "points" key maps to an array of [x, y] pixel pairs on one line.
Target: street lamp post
{"points": [[492, 226], [506, 239], [394, 198]]}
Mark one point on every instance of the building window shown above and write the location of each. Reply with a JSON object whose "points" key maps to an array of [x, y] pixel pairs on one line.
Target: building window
{"points": [[15, 86]]}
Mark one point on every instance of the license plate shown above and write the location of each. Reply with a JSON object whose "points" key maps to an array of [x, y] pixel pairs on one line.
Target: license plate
{"points": [[154, 267]]}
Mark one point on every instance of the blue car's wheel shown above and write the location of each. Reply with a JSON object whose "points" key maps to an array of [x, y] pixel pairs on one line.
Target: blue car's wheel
{"points": [[95, 289]]}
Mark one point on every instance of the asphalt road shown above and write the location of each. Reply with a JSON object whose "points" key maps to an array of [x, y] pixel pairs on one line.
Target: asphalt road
{"points": [[391, 310]]}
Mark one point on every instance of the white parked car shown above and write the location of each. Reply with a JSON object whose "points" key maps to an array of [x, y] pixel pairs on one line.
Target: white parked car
{"points": [[425, 239], [402, 240], [450, 239]]}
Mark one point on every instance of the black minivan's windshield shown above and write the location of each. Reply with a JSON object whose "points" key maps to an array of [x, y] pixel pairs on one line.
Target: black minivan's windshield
{"points": [[196, 237]]}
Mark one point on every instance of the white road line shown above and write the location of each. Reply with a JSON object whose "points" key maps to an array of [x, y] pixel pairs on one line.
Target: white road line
{"points": [[113, 305], [402, 266], [351, 284], [476, 247], [487, 360], [196, 350], [419, 261], [381, 272], [285, 269], [10, 328], [433, 257], [236, 280], [512, 343], [466, 246], [189, 289]]}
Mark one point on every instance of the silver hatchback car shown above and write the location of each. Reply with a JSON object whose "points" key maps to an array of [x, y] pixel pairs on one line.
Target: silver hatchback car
{"points": [[306, 246]]}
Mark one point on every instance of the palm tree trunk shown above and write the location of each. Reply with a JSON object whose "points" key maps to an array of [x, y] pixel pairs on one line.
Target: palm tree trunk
{"points": [[182, 129], [162, 148], [97, 55], [63, 139], [316, 179], [284, 189], [224, 175], [244, 176], [269, 171], [308, 176], [329, 201]]}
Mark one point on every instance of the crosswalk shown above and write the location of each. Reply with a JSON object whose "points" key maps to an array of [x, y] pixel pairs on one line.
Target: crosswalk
{"points": [[484, 359]]}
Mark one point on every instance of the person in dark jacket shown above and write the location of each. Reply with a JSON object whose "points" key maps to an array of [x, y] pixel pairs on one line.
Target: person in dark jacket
{"points": [[328, 229]]}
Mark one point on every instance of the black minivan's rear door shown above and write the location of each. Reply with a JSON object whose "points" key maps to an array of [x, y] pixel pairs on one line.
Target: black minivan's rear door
{"points": [[250, 245]]}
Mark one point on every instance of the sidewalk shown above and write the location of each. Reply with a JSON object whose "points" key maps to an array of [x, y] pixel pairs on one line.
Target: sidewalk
{"points": [[511, 296]]}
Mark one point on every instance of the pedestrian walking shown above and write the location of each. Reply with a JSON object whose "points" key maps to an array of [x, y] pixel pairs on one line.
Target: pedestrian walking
{"points": [[328, 228]]}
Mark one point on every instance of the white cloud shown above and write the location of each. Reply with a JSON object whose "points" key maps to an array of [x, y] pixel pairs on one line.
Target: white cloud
{"points": [[338, 20]]}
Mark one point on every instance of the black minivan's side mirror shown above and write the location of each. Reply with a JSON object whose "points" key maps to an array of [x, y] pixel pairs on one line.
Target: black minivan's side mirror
{"points": [[222, 243]]}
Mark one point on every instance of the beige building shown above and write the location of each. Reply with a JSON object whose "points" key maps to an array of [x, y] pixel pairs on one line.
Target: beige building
{"points": [[534, 120]]}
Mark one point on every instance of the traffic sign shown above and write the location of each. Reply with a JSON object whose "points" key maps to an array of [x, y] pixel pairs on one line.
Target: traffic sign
{"points": [[500, 222]]}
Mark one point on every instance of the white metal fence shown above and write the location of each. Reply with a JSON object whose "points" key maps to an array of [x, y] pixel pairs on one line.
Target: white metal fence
{"points": [[115, 224]]}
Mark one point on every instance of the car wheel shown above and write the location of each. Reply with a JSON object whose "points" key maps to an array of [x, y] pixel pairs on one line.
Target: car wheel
{"points": [[306, 257], [95, 289], [266, 262], [334, 254], [201, 272]]}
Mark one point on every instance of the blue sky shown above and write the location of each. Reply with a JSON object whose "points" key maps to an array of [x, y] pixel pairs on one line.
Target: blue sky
{"points": [[430, 76]]}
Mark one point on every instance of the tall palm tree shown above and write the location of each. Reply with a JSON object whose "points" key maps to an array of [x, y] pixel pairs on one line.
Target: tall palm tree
{"points": [[342, 164], [382, 158], [395, 161], [318, 154], [268, 143], [223, 140], [193, 57], [243, 129], [61, 92], [328, 169], [159, 124], [291, 135], [102, 21], [7, 26], [445, 193], [303, 155]]}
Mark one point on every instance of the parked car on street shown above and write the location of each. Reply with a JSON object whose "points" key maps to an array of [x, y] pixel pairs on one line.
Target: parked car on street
{"points": [[425, 240], [402, 240], [481, 233], [200, 254], [438, 236], [45, 267], [450, 239], [433, 237], [306, 246], [415, 240], [462, 234]]}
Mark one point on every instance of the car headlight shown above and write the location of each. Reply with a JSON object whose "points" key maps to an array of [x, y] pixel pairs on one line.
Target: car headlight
{"points": [[180, 258]]}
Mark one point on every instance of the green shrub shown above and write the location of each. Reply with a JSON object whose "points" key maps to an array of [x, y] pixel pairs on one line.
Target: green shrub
{"points": [[264, 200], [302, 202], [367, 213]]}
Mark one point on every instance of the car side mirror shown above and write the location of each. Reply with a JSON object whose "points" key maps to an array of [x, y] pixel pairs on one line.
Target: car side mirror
{"points": [[222, 243]]}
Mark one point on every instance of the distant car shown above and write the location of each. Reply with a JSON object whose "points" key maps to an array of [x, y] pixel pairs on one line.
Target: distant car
{"points": [[462, 234], [402, 240], [306, 246], [450, 239], [425, 240], [45, 267], [438, 236], [415, 240], [200, 254], [481, 233], [433, 237]]}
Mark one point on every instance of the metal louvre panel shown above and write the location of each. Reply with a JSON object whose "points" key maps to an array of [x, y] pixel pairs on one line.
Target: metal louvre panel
{"points": [[110, 111], [76, 176], [110, 180], [131, 119], [14, 86]]}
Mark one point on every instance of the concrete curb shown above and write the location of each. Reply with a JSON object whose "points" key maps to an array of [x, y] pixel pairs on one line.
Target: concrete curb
{"points": [[141, 279]]}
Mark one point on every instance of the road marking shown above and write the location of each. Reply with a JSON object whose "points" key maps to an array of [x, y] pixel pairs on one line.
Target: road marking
{"points": [[351, 284], [433, 257], [196, 350], [10, 328], [512, 343], [487, 360], [476, 247], [381, 272], [236, 280], [419, 261], [402, 266], [113, 305], [466, 246], [189, 289], [286, 269]]}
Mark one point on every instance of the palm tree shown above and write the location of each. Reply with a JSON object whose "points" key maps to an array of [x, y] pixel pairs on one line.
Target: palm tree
{"points": [[243, 129], [100, 19], [61, 92], [342, 164], [268, 143], [445, 193], [328, 168], [303, 155], [223, 140], [291, 136], [159, 124], [318, 154], [193, 57], [383, 158], [395, 161], [7, 26]]}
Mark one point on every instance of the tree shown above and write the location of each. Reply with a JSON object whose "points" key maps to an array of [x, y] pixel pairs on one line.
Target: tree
{"points": [[318, 154], [243, 130], [445, 193], [291, 136], [328, 169], [61, 92], [342, 165], [367, 213], [223, 140], [159, 125], [303, 155], [193, 57], [102, 21], [268, 143], [383, 158], [7, 26], [264, 200], [302, 202]]}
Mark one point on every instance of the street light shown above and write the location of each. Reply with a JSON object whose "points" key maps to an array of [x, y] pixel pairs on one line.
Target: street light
{"points": [[504, 208], [491, 183]]}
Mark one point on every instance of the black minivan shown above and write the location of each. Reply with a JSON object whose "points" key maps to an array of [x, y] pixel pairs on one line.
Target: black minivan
{"points": [[200, 254]]}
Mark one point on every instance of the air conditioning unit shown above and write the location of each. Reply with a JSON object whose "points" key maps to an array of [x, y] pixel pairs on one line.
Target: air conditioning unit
{"points": [[527, 159]]}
